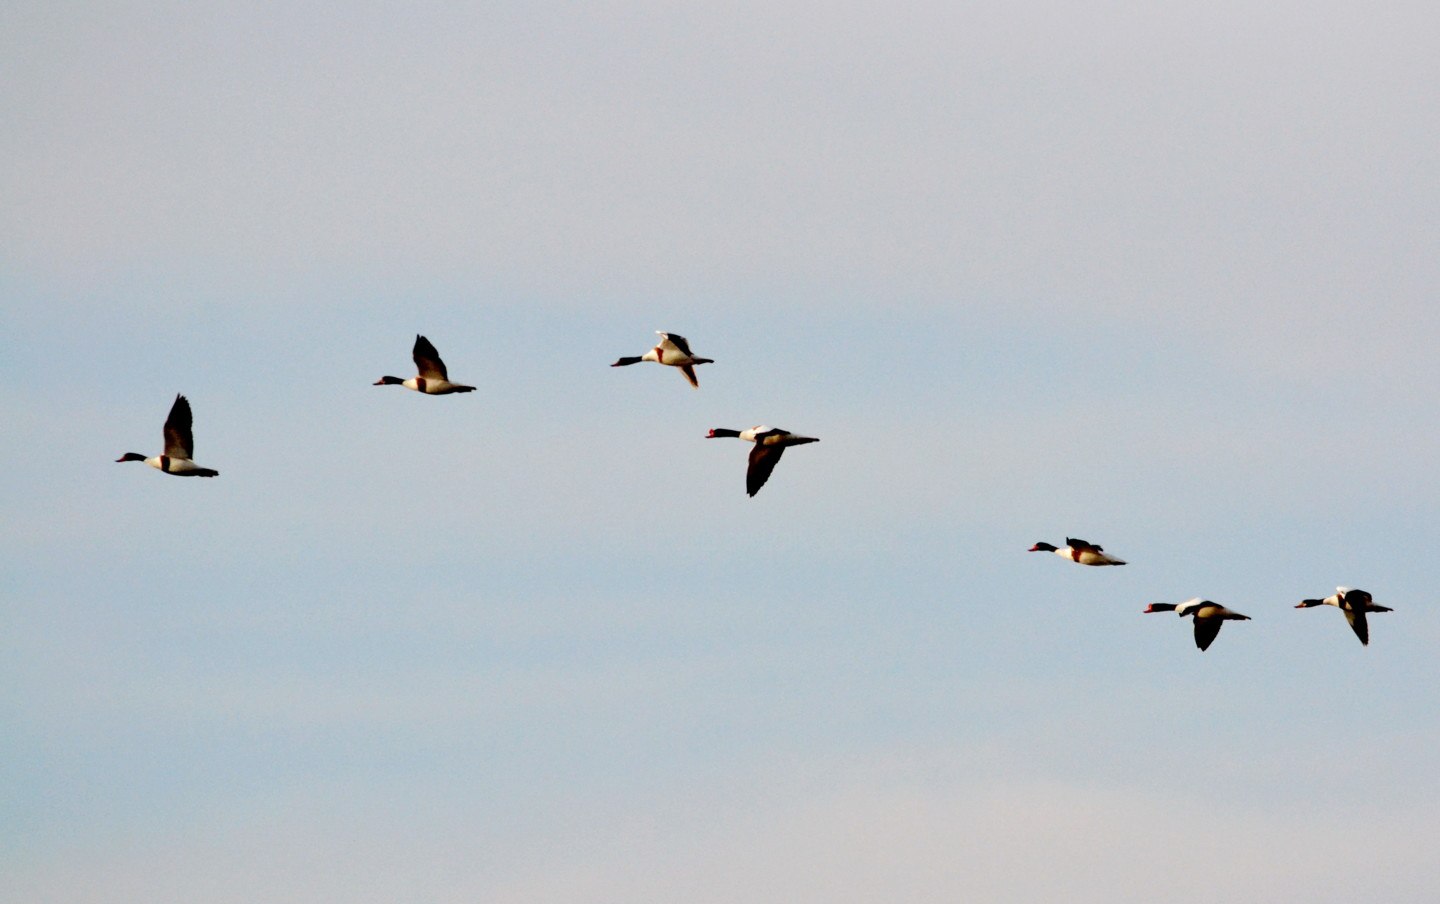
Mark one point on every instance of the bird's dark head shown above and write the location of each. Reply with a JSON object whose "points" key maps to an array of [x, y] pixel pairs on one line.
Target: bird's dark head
{"points": [[1160, 607], [720, 432], [1042, 546], [1306, 604], [388, 381], [131, 456]]}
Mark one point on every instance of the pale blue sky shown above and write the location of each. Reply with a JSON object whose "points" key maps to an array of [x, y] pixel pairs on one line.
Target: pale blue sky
{"points": [[1154, 276]]}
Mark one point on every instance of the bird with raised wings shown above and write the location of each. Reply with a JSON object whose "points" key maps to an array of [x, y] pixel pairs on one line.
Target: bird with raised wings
{"points": [[434, 379], [178, 457]]}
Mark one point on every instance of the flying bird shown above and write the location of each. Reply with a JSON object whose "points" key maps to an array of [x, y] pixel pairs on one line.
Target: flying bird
{"points": [[672, 350], [770, 444], [1208, 617], [1354, 603], [1081, 551], [179, 446], [433, 379]]}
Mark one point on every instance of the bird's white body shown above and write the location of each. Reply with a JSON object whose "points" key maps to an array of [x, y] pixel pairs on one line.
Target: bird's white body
{"points": [[172, 465], [431, 386], [766, 435], [1201, 609], [1089, 556]]}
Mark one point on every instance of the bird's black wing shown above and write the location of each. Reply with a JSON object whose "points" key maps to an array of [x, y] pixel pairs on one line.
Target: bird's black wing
{"points": [[1361, 627], [762, 461], [1206, 630], [179, 441], [428, 360]]}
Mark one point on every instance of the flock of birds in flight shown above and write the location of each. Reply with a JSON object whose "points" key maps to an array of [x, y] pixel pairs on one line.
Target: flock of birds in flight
{"points": [[434, 379], [1210, 616], [673, 350]]}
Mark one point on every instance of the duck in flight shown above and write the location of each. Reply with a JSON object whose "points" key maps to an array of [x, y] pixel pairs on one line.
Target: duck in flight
{"points": [[770, 444], [672, 350], [179, 446], [1354, 603], [433, 378], [1208, 617], [1081, 551]]}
